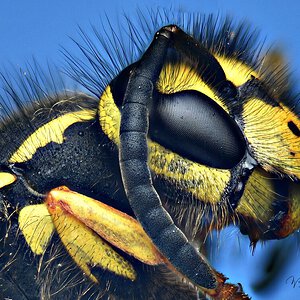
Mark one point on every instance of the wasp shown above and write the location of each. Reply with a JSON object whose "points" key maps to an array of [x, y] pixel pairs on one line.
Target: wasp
{"points": [[109, 193]]}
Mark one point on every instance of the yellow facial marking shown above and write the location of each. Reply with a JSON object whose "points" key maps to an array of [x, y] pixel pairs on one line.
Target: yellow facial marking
{"points": [[187, 174], [273, 134], [36, 224], [53, 131], [6, 179], [236, 71], [116, 227], [206, 184]]}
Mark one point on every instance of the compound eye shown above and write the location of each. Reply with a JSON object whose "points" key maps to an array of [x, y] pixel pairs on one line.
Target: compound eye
{"points": [[196, 127]]}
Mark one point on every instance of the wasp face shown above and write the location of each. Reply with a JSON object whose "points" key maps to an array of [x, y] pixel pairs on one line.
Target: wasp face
{"points": [[202, 131], [188, 138]]}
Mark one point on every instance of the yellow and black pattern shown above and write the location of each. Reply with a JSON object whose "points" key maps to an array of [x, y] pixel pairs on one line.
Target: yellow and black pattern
{"points": [[64, 211], [117, 256], [182, 172]]}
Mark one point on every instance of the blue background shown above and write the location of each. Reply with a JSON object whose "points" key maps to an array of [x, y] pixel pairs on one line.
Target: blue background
{"points": [[38, 28]]}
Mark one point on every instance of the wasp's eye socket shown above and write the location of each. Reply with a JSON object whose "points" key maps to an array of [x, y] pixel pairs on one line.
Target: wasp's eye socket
{"points": [[196, 127]]}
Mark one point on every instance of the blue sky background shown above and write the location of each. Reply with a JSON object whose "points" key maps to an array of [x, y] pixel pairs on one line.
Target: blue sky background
{"points": [[35, 28]]}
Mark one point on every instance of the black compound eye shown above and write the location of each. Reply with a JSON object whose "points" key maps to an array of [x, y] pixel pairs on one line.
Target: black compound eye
{"points": [[196, 127]]}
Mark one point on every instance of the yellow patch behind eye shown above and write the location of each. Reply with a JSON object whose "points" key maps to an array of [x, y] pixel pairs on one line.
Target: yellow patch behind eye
{"points": [[6, 179], [273, 134], [85, 247], [37, 227], [52, 131]]}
